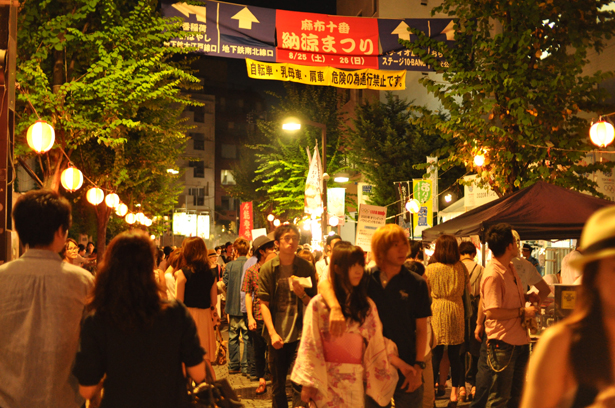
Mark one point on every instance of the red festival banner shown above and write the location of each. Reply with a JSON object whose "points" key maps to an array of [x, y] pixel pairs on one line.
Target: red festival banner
{"points": [[245, 219], [324, 40]]}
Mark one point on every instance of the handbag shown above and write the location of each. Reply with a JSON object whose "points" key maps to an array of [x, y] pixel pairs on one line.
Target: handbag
{"points": [[218, 394], [221, 350]]}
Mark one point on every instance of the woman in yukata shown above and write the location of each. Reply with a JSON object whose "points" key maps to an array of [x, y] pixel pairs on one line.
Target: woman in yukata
{"points": [[333, 370]]}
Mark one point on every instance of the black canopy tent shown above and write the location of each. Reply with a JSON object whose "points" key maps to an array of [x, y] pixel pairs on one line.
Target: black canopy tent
{"points": [[541, 211]]}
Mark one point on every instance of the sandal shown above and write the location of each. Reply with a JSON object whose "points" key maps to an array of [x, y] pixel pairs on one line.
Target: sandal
{"points": [[440, 390], [262, 388], [472, 394]]}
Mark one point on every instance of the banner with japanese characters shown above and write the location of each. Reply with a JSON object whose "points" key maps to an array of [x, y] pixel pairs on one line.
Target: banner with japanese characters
{"points": [[328, 76], [325, 40], [423, 192], [226, 30], [246, 220], [402, 191], [371, 217], [336, 203], [313, 186], [396, 56]]}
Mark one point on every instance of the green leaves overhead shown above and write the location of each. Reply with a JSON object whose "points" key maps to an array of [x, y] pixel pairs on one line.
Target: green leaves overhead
{"points": [[516, 88]]}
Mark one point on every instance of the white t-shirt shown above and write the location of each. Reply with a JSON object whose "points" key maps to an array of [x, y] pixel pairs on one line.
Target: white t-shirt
{"points": [[527, 272], [570, 274], [322, 268]]}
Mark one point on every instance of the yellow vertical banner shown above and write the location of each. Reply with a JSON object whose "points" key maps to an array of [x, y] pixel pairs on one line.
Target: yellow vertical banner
{"points": [[422, 190]]}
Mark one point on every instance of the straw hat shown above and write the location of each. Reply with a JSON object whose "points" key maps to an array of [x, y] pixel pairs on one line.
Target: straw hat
{"points": [[597, 238]]}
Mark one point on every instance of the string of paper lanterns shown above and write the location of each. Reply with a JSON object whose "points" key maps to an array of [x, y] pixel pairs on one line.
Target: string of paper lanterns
{"points": [[41, 137]]}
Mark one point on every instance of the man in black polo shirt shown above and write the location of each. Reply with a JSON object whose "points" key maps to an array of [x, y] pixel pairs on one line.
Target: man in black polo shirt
{"points": [[403, 304]]}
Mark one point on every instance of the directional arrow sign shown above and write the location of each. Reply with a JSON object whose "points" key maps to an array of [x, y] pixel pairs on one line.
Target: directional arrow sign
{"points": [[245, 18], [402, 31], [187, 9], [449, 31]]}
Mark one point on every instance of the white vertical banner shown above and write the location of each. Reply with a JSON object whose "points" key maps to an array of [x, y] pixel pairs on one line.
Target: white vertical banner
{"points": [[433, 176], [313, 186], [336, 200], [364, 191]]}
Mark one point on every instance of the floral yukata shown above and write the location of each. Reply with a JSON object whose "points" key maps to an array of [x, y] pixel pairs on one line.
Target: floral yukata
{"points": [[339, 367]]}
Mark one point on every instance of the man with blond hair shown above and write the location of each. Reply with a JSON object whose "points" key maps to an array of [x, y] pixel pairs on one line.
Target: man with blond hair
{"points": [[403, 304], [237, 321]]}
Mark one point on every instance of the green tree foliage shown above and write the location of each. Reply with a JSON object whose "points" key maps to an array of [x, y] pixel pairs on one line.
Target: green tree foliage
{"points": [[277, 178], [515, 88], [386, 147], [99, 72]]}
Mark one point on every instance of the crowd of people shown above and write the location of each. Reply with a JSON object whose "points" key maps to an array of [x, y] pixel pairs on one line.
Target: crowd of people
{"points": [[350, 328]]}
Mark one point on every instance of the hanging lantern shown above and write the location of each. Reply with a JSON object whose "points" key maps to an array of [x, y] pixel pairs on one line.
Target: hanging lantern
{"points": [[140, 218], [40, 136], [95, 196], [479, 159], [602, 133], [270, 217], [147, 222], [71, 179], [413, 206], [112, 200], [121, 209], [276, 223], [334, 221], [130, 218]]}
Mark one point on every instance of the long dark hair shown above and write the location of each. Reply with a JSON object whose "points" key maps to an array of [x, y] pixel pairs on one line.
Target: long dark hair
{"points": [[589, 356], [194, 255], [353, 300], [125, 290]]}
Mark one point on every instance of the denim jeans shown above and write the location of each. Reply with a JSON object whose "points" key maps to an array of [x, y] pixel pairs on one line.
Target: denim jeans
{"points": [[501, 374], [237, 326], [280, 362]]}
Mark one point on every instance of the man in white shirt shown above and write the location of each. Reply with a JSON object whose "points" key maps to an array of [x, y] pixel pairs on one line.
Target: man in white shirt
{"points": [[570, 274], [322, 266]]}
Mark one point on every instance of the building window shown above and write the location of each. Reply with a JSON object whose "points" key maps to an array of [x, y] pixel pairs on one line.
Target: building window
{"points": [[228, 151], [199, 113], [227, 178], [228, 203], [199, 168], [198, 196], [198, 140]]}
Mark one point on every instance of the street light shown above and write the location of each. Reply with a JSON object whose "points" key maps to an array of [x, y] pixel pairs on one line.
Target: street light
{"points": [[292, 124]]}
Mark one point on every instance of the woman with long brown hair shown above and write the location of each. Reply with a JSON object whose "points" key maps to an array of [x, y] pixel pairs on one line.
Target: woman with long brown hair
{"points": [[447, 278], [133, 339], [575, 360], [331, 370], [196, 287]]}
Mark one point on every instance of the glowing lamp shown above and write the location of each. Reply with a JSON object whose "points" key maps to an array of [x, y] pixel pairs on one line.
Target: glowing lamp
{"points": [[270, 217], [147, 222], [307, 226], [276, 223], [140, 218], [72, 179], [112, 200], [121, 209], [448, 198], [413, 206], [334, 221], [479, 159], [95, 196], [602, 133], [291, 124], [152, 237], [130, 218], [41, 136]]}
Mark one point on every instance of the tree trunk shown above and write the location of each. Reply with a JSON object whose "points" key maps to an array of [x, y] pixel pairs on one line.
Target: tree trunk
{"points": [[102, 220]]}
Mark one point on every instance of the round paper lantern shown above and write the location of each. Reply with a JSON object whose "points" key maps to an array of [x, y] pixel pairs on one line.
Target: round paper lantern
{"points": [[413, 206], [152, 237], [276, 223], [95, 196], [121, 209], [602, 133], [270, 217], [112, 200], [41, 136], [140, 218], [71, 179], [130, 218], [147, 222]]}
